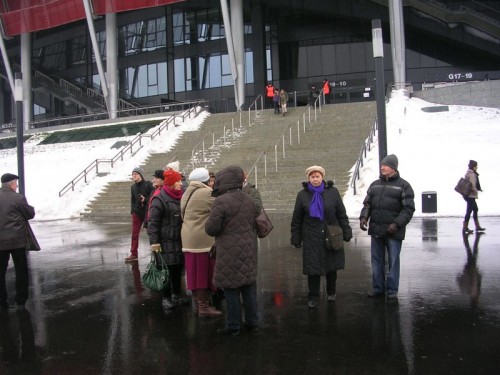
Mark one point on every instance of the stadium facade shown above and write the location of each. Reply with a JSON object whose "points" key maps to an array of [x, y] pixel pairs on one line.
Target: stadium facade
{"points": [[81, 56]]}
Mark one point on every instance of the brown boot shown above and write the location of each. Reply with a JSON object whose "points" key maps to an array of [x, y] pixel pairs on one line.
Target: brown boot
{"points": [[478, 227], [204, 308], [207, 311], [465, 228]]}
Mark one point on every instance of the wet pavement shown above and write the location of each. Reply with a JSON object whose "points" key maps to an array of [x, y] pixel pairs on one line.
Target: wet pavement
{"points": [[89, 314]]}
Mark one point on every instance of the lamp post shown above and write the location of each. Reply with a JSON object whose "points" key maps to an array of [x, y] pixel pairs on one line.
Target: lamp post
{"points": [[378, 55], [18, 97]]}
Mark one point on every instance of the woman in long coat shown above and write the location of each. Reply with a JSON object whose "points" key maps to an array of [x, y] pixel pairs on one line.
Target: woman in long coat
{"points": [[196, 204], [319, 204], [232, 223], [164, 230]]}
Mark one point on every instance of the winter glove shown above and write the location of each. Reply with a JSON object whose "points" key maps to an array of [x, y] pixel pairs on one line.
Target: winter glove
{"points": [[392, 229], [347, 239], [297, 245], [363, 223], [156, 248]]}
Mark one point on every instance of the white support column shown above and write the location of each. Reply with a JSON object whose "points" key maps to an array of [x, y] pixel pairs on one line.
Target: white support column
{"points": [[26, 73], [397, 42], [112, 63], [97, 53], [239, 48], [230, 49]]}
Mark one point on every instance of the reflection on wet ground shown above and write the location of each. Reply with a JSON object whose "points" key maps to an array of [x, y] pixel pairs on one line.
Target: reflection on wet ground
{"points": [[89, 313]]}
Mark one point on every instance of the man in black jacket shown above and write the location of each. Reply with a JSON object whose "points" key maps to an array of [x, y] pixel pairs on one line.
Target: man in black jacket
{"points": [[14, 215], [140, 191], [389, 205]]}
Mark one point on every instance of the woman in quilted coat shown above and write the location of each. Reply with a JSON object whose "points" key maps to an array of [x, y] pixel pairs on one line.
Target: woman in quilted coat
{"points": [[232, 222], [317, 205]]}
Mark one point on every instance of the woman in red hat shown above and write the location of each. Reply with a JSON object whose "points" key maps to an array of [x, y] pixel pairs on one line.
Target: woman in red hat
{"points": [[164, 230]]}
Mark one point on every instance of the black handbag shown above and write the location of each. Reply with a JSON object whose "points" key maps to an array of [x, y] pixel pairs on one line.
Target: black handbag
{"points": [[156, 276], [334, 237], [264, 224], [31, 241], [463, 187]]}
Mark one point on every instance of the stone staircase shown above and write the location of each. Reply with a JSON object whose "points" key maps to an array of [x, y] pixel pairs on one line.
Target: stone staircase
{"points": [[333, 141]]}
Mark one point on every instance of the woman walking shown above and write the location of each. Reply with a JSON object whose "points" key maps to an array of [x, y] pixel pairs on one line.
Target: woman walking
{"points": [[472, 208], [196, 204], [319, 204]]}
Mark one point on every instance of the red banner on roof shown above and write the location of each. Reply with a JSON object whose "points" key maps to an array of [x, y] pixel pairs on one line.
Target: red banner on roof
{"points": [[25, 16]]}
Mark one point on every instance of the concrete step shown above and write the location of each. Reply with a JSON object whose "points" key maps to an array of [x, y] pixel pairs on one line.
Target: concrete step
{"points": [[334, 142]]}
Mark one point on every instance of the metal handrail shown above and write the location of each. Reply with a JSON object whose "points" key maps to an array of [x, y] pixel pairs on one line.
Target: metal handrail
{"points": [[211, 132], [256, 104], [162, 108], [281, 139], [254, 168], [119, 156], [362, 155]]}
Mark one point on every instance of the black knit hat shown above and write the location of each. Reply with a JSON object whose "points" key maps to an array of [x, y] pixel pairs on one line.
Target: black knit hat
{"points": [[472, 164], [391, 161]]}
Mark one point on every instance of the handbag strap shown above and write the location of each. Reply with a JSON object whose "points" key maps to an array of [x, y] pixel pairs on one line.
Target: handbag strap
{"points": [[190, 195]]}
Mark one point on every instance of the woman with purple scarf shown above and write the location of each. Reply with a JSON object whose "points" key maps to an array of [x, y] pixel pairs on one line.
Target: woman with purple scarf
{"points": [[319, 204]]}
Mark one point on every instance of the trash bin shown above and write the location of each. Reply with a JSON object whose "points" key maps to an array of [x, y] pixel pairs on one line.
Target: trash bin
{"points": [[429, 202]]}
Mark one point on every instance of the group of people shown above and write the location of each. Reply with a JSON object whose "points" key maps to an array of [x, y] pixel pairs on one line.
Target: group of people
{"points": [[387, 209], [276, 99], [185, 224]]}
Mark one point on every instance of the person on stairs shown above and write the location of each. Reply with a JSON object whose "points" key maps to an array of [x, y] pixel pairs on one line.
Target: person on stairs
{"points": [[196, 204], [472, 208]]}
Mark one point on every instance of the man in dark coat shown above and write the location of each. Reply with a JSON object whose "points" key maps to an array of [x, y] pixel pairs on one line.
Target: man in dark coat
{"points": [[140, 191], [389, 205], [232, 223], [319, 204], [14, 215]]}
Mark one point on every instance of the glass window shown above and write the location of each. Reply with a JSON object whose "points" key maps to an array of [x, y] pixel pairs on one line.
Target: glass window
{"points": [[180, 31], [215, 71], [144, 36], [249, 67], [78, 50], [146, 80], [180, 74], [227, 78], [269, 65], [54, 56], [38, 110]]}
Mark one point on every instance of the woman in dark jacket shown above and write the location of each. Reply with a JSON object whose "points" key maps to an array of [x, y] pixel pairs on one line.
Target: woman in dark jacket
{"points": [[164, 230], [232, 222], [318, 205]]}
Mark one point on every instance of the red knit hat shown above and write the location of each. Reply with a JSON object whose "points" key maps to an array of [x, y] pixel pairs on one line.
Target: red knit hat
{"points": [[170, 177]]}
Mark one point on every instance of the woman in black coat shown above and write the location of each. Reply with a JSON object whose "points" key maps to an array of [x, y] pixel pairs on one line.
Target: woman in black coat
{"points": [[317, 205], [164, 230]]}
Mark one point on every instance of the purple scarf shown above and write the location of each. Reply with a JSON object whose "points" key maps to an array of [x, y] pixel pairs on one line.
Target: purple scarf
{"points": [[316, 208]]}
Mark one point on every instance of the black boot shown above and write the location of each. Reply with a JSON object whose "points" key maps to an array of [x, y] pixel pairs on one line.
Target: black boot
{"points": [[478, 227]]}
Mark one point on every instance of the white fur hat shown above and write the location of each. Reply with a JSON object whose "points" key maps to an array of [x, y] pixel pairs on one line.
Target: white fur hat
{"points": [[173, 165], [199, 174]]}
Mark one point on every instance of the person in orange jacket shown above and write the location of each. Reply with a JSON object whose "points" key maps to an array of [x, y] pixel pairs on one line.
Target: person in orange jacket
{"points": [[327, 90], [269, 95]]}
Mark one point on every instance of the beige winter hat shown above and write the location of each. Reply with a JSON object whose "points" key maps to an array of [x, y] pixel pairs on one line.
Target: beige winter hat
{"points": [[315, 168]]}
